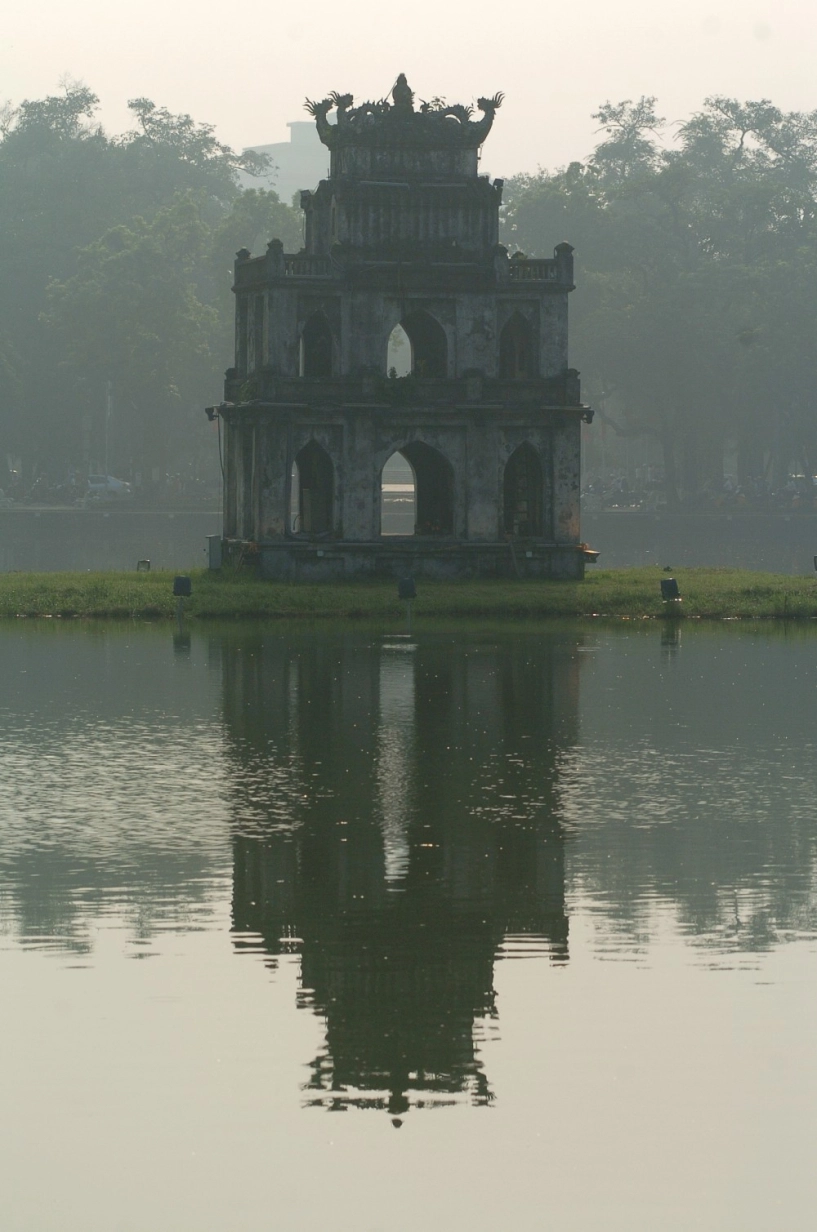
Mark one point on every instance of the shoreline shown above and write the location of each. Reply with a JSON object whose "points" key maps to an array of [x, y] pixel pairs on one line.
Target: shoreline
{"points": [[707, 593]]}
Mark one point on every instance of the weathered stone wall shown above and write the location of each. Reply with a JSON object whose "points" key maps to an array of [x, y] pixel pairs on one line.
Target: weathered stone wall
{"points": [[567, 480], [477, 445], [362, 320], [314, 562]]}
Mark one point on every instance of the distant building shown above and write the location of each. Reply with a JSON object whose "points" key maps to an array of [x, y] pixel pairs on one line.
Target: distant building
{"points": [[403, 330], [299, 163]]}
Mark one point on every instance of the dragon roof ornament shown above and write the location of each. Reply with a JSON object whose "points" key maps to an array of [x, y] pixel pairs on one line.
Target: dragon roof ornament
{"points": [[433, 126]]}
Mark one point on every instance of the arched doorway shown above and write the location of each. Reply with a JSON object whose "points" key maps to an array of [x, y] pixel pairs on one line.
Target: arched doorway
{"points": [[433, 480], [524, 498], [316, 348], [313, 491], [398, 497], [516, 349], [428, 344]]}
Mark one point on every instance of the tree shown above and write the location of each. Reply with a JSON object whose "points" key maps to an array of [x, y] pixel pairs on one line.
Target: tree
{"points": [[148, 317], [157, 208], [131, 322], [166, 153], [695, 267]]}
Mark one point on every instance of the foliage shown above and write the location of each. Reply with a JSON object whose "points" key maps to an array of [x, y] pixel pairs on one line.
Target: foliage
{"points": [[114, 283], [693, 323], [132, 316], [696, 301]]}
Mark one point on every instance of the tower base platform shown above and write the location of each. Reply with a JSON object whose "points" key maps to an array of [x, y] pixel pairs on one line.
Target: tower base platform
{"points": [[332, 560]]}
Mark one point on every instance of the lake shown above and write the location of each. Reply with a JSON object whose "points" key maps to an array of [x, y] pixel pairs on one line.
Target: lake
{"points": [[486, 927]]}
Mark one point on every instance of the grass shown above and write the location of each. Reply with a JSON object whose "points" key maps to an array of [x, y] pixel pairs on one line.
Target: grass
{"points": [[624, 593]]}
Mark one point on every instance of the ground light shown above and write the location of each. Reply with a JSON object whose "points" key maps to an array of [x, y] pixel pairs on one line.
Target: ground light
{"points": [[670, 592]]}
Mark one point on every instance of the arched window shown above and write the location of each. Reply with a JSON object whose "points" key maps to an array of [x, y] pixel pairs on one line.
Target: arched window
{"points": [[429, 346], [398, 353], [516, 357], [316, 348], [398, 497], [429, 474], [313, 491], [523, 494]]}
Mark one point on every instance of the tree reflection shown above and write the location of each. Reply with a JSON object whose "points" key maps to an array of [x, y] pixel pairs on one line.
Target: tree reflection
{"points": [[689, 797], [394, 810]]}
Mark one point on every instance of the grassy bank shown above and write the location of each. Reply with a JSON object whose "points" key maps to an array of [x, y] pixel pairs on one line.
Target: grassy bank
{"points": [[633, 593]]}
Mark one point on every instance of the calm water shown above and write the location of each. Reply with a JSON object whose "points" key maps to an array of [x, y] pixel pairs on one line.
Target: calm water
{"points": [[480, 929]]}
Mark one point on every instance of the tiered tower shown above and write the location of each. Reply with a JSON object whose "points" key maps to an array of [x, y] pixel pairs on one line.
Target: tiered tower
{"points": [[403, 233]]}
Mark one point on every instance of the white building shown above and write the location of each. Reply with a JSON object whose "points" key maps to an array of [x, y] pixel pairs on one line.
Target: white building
{"points": [[299, 163]]}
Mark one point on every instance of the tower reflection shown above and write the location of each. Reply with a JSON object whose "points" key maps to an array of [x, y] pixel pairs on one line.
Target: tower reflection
{"points": [[395, 811]]}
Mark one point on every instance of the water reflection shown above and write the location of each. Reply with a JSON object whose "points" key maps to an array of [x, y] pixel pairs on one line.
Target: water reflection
{"points": [[670, 637], [690, 804], [110, 783], [395, 818], [401, 813]]}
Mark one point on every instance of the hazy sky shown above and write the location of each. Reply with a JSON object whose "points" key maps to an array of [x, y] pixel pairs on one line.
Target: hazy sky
{"points": [[246, 66]]}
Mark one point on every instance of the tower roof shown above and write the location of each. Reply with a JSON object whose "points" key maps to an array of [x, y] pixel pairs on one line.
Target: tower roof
{"points": [[433, 126]]}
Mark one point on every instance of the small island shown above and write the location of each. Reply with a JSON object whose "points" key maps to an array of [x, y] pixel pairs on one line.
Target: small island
{"points": [[634, 594]]}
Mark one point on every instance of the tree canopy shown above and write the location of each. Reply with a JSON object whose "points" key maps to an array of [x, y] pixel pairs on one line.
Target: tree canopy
{"points": [[696, 257], [696, 249], [115, 268]]}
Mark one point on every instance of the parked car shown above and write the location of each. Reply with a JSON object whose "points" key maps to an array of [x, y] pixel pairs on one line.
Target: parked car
{"points": [[103, 489]]}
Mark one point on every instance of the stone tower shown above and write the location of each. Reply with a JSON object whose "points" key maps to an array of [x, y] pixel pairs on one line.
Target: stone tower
{"points": [[486, 421]]}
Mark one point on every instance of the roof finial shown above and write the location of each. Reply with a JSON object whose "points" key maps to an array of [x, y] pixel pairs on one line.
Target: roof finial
{"points": [[402, 94]]}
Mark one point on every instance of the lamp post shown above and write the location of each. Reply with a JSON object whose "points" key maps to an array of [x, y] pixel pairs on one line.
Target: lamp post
{"points": [[108, 418]]}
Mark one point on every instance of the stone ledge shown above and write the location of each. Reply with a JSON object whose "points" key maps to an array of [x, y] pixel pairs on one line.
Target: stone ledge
{"points": [[328, 560]]}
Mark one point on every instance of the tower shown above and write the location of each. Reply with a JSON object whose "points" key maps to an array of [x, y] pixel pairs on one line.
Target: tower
{"points": [[486, 422]]}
